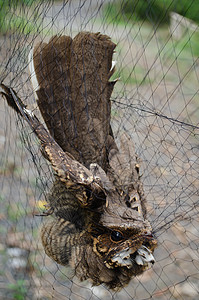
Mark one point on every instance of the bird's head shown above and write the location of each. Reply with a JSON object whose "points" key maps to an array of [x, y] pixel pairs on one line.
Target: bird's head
{"points": [[120, 247]]}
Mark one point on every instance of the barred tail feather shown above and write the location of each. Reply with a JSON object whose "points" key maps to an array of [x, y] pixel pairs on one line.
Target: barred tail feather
{"points": [[74, 92]]}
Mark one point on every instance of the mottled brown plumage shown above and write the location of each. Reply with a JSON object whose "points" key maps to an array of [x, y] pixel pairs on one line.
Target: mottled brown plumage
{"points": [[99, 223]]}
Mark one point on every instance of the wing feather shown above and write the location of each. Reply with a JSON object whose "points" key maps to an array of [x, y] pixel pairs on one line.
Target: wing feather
{"points": [[69, 171]]}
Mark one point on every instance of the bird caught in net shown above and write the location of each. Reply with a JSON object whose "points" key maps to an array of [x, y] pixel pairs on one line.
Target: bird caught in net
{"points": [[99, 225], [99, 150]]}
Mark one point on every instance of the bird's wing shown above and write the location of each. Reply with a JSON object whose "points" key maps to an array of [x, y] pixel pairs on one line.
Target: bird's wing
{"points": [[68, 170], [124, 161]]}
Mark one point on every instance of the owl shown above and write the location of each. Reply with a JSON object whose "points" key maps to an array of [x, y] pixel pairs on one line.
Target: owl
{"points": [[96, 221]]}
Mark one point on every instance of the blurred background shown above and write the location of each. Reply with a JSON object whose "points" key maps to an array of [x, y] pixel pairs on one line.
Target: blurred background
{"points": [[156, 102]]}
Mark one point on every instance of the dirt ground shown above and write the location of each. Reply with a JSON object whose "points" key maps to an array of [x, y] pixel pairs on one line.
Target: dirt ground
{"points": [[156, 102]]}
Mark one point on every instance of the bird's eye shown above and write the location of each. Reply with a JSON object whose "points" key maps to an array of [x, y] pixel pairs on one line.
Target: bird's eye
{"points": [[116, 236]]}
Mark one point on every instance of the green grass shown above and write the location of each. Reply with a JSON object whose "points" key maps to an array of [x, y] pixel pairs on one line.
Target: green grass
{"points": [[128, 12], [182, 52], [155, 12], [19, 290], [188, 44], [112, 14], [20, 24], [135, 76], [13, 20], [185, 48]]}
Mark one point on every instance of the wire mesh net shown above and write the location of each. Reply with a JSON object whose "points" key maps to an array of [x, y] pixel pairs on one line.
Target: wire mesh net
{"points": [[155, 102]]}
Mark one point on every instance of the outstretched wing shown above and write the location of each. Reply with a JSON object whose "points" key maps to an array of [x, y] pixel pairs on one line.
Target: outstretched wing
{"points": [[69, 170], [71, 79]]}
